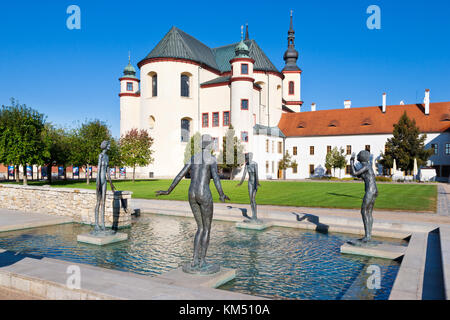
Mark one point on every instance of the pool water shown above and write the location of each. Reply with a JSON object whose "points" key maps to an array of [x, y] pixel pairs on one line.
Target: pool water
{"points": [[278, 263]]}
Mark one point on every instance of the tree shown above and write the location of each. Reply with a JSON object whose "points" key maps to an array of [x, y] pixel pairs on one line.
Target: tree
{"points": [[231, 156], [86, 142], [22, 137], [335, 159], [135, 149], [285, 163], [405, 145], [59, 143]]}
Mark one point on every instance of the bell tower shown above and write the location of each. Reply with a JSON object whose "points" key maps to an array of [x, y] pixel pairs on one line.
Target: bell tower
{"points": [[291, 72]]}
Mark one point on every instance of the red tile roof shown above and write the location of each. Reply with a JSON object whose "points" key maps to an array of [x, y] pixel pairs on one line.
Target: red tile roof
{"points": [[366, 120]]}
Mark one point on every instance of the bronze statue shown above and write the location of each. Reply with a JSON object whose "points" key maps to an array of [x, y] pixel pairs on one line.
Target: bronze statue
{"points": [[253, 182], [367, 174], [202, 167], [103, 174]]}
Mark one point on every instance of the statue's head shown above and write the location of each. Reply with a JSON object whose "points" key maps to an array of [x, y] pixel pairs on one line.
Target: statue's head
{"points": [[105, 145], [248, 157], [364, 156], [206, 141]]}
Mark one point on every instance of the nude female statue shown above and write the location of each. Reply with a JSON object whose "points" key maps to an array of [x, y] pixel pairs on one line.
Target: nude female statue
{"points": [[202, 167], [103, 174], [367, 174], [253, 182]]}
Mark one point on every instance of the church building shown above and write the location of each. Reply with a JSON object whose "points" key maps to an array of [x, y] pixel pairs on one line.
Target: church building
{"points": [[187, 87]]}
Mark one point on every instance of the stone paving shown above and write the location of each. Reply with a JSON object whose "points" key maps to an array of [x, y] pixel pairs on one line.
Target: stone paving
{"points": [[443, 202]]}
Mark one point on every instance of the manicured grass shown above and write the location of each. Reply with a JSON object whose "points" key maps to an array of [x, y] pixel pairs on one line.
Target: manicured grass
{"points": [[409, 197]]}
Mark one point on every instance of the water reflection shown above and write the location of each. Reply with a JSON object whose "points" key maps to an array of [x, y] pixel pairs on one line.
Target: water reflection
{"points": [[278, 263]]}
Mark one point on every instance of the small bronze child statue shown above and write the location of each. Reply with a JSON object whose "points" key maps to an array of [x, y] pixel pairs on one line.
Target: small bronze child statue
{"points": [[103, 175], [202, 167], [367, 174], [253, 182]]}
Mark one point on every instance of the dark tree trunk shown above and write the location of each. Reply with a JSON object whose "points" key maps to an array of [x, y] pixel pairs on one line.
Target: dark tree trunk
{"points": [[87, 174], [134, 170], [49, 174], [25, 178], [16, 171]]}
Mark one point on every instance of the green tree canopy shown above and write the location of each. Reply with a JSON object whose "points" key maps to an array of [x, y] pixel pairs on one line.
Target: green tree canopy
{"points": [[86, 142], [59, 144], [135, 149], [335, 159], [22, 136], [405, 145]]}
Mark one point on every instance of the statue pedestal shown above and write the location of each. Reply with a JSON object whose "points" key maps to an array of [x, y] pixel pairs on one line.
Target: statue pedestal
{"points": [[253, 225], [214, 280], [101, 240], [376, 250]]}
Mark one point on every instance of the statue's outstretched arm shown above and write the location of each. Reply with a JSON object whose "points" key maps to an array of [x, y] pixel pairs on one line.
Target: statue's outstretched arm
{"points": [[243, 176], [216, 179], [175, 182]]}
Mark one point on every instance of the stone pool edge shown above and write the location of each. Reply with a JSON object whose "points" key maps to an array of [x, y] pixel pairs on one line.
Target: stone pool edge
{"points": [[48, 278]]}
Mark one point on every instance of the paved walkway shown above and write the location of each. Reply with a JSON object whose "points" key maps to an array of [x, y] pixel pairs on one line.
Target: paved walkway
{"points": [[443, 201], [16, 220]]}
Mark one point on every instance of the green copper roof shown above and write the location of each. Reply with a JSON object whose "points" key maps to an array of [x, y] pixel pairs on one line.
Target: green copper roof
{"points": [[217, 80], [178, 44], [241, 50]]}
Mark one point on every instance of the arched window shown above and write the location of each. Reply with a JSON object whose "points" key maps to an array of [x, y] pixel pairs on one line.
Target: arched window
{"points": [[184, 85], [151, 122], [291, 87], [185, 129], [153, 84]]}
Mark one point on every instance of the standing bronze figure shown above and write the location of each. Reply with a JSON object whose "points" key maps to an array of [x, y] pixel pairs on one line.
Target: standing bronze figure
{"points": [[367, 174], [202, 167], [103, 175], [253, 182]]}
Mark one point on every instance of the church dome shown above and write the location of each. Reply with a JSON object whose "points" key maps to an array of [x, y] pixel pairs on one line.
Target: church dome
{"points": [[129, 71], [241, 50]]}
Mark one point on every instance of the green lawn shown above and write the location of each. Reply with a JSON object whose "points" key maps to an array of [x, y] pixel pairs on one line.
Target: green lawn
{"points": [[409, 197]]}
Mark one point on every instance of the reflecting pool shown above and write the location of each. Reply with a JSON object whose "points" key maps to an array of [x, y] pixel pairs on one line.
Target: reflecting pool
{"points": [[278, 263]]}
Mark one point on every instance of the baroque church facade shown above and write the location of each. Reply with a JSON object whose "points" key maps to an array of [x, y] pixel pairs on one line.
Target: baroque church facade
{"points": [[187, 87]]}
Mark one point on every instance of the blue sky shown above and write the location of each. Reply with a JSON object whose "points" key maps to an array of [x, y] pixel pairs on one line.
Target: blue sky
{"points": [[72, 75]]}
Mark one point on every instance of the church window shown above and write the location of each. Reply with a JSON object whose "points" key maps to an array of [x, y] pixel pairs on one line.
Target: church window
{"points": [[184, 85], [347, 169], [280, 147], [291, 87], [447, 148], [294, 151], [244, 68], [311, 150], [349, 149], [185, 130], [151, 122], [434, 146], [215, 119], [226, 118], [267, 145], [244, 104], [328, 149], [267, 166], [294, 168], [154, 85], [311, 169], [205, 120], [129, 86]]}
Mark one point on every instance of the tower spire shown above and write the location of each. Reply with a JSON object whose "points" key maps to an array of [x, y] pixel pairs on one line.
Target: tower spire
{"points": [[291, 55], [246, 32]]}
